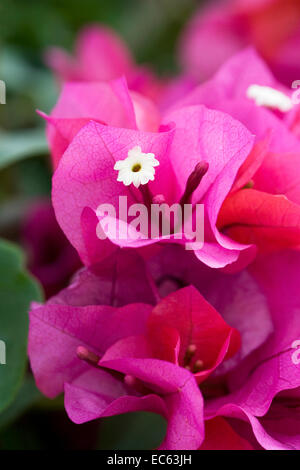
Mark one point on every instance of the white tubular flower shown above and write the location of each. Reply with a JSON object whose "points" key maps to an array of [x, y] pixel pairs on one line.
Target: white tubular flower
{"points": [[138, 168], [269, 97]]}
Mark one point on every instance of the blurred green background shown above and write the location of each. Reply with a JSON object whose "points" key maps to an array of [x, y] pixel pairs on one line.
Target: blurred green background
{"points": [[27, 28]]}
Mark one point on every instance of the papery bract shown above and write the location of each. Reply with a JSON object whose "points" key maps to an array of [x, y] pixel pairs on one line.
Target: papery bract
{"points": [[101, 55], [266, 213], [263, 304], [220, 30], [255, 387], [109, 103], [200, 135], [269, 373], [118, 336]]}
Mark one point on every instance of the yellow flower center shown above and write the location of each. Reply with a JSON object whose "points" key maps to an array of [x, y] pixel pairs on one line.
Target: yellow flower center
{"points": [[136, 167]]}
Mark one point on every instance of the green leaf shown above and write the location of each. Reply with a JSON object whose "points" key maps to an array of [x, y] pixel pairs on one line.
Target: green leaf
{"points": [[16, 146], [17, 290], [33, 177], [15, 69], [132, 431], [28, 395]]}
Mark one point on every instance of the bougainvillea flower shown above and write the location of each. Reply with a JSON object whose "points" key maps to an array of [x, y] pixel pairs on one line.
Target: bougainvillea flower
{"points": [[266, 213], [199, 151], [260, 386], [204, 340], [269, 167], [264, 386], [110, 103], [121, 279], [222, 29], [51, 258], [224, 92], [96, 390], [174, 90], [111, 360], [100, 55], [173, 268]]}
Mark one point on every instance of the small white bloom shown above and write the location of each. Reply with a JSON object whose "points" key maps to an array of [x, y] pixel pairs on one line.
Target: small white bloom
{"points": [[269, 97], [137, 168]]}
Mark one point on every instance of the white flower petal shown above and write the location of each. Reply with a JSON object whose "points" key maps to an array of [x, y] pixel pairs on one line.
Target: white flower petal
{"points": [[146, 172], [119, 165]]}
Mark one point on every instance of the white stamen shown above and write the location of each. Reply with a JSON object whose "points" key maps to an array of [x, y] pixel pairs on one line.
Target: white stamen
{"points": [[269, 97], [137, 168]]}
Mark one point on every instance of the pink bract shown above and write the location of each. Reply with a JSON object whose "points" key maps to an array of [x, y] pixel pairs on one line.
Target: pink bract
{"points": [[221, 29], [267, 212], [126, 341], [101, 55], [140, 366], [198, 134], [109, 103]]}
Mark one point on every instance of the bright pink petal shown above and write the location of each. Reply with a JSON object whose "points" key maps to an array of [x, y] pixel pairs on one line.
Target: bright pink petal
{"points": [[225, 93], [212, 136], [57, 330], [237, 297], [102, 55], [79, 102], [120, 280], [87, 167], [211, 34], [98, 394], [270, 369], [181, 396]]}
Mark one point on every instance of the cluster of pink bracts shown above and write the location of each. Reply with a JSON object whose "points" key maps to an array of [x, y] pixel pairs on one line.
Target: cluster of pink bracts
{"points": [[203, 338]]}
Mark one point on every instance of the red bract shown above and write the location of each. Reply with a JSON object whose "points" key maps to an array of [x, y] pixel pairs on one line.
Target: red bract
{"points": [[204, 340]]}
